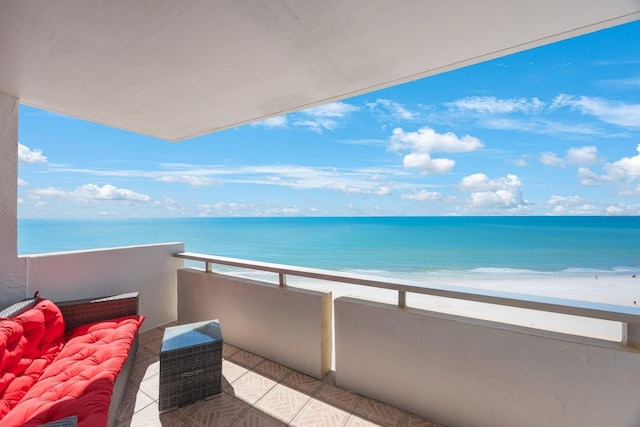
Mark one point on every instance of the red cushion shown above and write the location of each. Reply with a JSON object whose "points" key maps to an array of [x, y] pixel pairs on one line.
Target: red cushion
{"points": [[28, 343], [80, 379]]}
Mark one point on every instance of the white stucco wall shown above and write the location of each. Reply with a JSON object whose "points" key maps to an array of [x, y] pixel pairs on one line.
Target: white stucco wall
{"points": [[465, 372], [288, 325], [12, 269], [150, 270]]}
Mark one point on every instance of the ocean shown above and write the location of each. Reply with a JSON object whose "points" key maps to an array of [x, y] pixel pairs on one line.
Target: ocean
{"points": [[404, 247]]}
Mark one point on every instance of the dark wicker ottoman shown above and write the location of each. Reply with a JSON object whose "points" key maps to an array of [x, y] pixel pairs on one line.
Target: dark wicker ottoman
{"points": [[190, 364]]}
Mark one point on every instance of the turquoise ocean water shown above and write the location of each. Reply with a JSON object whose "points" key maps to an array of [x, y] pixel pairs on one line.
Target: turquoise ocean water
{"points": [[408, 247]]}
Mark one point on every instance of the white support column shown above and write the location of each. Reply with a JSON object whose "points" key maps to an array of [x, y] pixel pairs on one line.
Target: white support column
{"points": [[631, 334], [13, 271]]}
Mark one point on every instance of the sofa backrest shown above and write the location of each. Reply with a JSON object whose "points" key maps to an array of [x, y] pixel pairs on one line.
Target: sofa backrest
{"points": [[28, 343]]}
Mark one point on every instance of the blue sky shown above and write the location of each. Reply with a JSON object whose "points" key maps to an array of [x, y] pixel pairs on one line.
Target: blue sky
{"points": [[550, 131]]}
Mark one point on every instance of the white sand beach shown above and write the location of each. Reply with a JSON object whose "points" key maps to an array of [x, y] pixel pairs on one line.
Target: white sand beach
{"points": [[606, 289]]}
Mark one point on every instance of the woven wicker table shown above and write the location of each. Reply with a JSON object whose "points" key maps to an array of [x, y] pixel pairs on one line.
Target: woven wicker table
{"points": [[190, 364]]}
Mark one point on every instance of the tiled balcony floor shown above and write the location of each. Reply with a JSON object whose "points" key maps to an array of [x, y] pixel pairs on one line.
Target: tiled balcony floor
{"points": [[256, 392]]}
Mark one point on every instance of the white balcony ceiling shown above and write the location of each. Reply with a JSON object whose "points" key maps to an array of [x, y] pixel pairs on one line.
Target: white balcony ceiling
{"points": [[178, 69]]}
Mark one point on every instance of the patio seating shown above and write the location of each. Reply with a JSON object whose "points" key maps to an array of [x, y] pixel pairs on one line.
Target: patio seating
{"points": [[66, 363]]}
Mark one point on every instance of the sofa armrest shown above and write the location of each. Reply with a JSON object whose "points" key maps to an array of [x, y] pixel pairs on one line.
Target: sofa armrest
{"points": [[19, 307], [80, 312]]}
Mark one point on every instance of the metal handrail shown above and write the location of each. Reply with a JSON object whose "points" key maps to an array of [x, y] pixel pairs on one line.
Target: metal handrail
{"points": [[619, 313]]}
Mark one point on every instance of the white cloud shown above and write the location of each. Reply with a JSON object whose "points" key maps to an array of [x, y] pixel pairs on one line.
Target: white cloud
{"points": [[490, 104], [541, 126], [27, 155], [422, 195], [227, 209], [377, 181], [428, 140], [172, 205], [521, 162], [626, 168], [283, 211], [619, 210], [615, 210], [425, 163], [582, 155], [588, 177], [332, 109], [391, 109], [272, 122], [383, 190], [22, 182], [479, 182], [630, 191], [628, 83], [571, 205], [494, 195], [551, 159], [324, 117], [344, 188], [92, 192], [318, 125], [49, 192], [612, 112], [192, 180], [109, 192], [495, 113], [623, 171], [425, 141], [352, 188]]}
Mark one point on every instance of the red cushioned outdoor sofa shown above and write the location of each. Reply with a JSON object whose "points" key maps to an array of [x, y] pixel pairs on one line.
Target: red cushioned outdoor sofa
{"points": [[66, 364]]}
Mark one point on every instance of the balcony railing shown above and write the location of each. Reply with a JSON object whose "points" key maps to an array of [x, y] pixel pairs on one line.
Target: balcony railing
{"points": [[629, 317]]}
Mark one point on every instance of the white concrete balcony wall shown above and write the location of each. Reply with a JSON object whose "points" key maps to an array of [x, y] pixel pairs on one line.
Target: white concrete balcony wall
{"points": [[288, 325], [465, 372], [12, 269], [150, 270]]}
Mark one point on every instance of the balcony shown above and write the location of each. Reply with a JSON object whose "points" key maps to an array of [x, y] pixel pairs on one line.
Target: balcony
{"points": [[346, 356], [256, 392]]}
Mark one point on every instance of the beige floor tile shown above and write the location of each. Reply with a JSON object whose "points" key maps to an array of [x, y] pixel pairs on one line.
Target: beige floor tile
{"points": [[168, 325], [228, 350], [302, 382], [272, 370], [282, 403], [380, 413], [149, 417], [249, 380], [222, 410], [415, 421], [320, 414], [144, 354], [232, 371], [134, 400], [357, 421], [257, 418], [150, 335], [246, 359], [151, 386], [250, 387], [154, 346], [145, 369], [338, 397]]}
